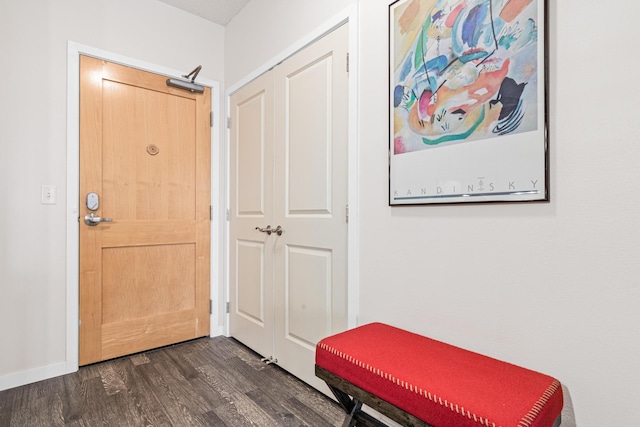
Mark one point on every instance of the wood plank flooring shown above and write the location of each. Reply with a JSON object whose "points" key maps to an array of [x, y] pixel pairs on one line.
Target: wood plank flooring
{"points": [[206, 382]]}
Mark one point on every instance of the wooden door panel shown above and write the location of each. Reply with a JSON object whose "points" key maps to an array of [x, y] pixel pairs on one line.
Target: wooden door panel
{"points": [[139, 185], [138, 282], [145, 150], [137, 335]]}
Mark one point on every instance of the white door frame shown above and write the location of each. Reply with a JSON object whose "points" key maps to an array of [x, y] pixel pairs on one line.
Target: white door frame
{"points": [[349, 15], [73, 183]]}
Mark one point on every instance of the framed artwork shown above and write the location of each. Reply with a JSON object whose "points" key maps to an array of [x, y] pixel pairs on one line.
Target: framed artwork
{"points": [[467, 101]]}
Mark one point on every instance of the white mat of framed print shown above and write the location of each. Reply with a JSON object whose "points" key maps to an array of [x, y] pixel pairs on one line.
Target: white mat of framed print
{"points": [[468, 99]]}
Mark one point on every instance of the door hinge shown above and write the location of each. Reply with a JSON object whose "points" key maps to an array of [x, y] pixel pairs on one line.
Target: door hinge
{"points": [[347, 62], [347, 211], [227, 308], [228, 122], [210, 213], [228, 214], [210, 306], [210, 118]]}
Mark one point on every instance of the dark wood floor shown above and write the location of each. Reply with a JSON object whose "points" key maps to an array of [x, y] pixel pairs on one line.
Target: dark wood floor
{"points": [[206, 382]]}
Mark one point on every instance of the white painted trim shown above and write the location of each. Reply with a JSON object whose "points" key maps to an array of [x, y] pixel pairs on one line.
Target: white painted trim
{"points": [[353, 239], [73, 181], [217, 153], [349, 15], [33, 375], [73, 211]]}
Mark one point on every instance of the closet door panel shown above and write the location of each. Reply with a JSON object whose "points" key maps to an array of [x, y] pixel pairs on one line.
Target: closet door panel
{"points": [[310, 271], [251, 206]]}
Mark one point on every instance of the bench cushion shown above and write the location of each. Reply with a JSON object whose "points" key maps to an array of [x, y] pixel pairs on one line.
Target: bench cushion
{"points": [[441, 384]]}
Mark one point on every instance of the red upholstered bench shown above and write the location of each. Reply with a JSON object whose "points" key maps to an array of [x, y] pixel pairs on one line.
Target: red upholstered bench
{"points": [[417, 381]]}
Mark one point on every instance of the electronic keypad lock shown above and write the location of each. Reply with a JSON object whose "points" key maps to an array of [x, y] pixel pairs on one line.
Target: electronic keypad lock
{"points": [[93, 202]]}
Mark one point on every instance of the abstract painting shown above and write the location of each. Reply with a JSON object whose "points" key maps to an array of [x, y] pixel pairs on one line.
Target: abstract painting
{"points": [[467, 95]]}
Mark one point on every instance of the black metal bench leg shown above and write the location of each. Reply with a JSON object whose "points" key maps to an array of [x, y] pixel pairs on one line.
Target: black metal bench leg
{"points": [[343, 399], [353, 408], [351, 420]]}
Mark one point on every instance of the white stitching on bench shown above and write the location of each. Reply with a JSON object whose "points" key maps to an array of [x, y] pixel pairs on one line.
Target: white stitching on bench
{"points": [[526, 421]]}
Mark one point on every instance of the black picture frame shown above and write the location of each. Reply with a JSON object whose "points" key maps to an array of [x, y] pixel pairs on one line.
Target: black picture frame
{"points": [[468, 102]]}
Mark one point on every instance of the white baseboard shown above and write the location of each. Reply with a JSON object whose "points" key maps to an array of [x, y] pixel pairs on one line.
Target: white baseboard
{"points": [[217, 331], [33, 375]]}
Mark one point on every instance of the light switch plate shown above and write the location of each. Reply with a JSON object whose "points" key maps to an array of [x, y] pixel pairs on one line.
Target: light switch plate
{"points": [[49, 195]]}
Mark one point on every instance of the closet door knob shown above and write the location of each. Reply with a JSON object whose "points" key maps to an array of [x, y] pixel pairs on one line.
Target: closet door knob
{"points": [[267, 230]]}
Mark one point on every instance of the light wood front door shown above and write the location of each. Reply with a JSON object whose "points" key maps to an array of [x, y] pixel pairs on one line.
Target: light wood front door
{"points": [[289, 139], [145, 153]]}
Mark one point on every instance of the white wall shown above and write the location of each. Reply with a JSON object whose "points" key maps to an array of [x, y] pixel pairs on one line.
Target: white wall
{"points": [[33, 105], [554, 287]]}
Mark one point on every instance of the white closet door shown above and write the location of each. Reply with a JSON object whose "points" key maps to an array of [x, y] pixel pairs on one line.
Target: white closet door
{"points": [[311, 140], [251, 206], [288, 168]]}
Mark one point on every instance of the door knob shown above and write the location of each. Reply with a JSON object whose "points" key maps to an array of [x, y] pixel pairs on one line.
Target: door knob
{"points": [[93, 219], [278, 230], [267, 230]]}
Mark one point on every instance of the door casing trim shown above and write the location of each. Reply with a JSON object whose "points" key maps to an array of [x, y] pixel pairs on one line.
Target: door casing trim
{"points": [[74, 50]]}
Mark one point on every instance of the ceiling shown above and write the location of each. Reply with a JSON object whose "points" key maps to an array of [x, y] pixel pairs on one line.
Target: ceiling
{"points": [[218, 11]]}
